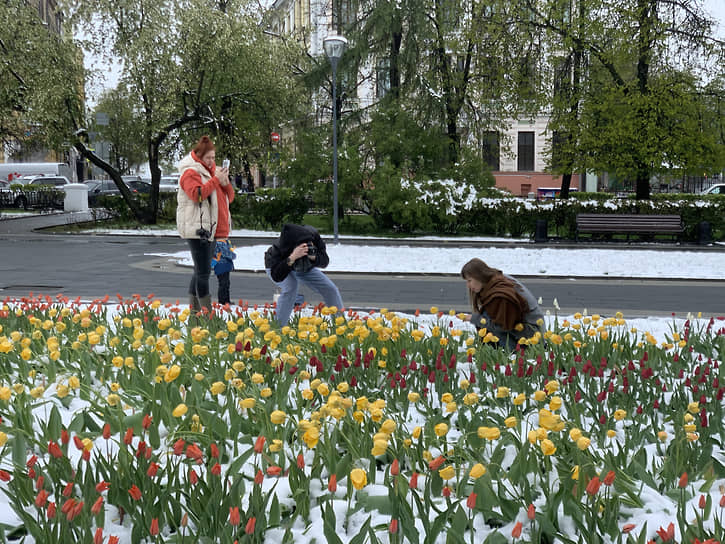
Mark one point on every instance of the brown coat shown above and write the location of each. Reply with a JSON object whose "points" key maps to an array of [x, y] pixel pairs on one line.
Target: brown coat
{"points": [[502, 302]]}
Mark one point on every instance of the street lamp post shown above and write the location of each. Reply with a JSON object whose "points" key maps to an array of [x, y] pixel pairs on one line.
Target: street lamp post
{"points": [[334, 48]]}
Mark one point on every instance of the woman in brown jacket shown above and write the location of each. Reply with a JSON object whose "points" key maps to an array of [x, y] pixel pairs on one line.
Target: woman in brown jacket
{"points": [[501, 304]]}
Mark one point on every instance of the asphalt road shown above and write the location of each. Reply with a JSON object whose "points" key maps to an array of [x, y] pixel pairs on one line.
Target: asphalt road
{"points": [[93, 266]]}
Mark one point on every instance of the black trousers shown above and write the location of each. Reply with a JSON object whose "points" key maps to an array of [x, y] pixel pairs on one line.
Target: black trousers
{"points": [[201, 253], [223, 294]]}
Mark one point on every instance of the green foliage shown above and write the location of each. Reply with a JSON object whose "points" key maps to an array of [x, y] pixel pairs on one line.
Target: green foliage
{"points": [[41, 79], [268, 208]]}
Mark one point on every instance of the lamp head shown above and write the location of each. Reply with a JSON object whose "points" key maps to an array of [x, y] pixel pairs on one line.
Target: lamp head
{"points": [[334, 46]]}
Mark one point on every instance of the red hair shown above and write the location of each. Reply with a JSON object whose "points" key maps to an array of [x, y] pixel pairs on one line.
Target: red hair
{"points": [[203, 146]]}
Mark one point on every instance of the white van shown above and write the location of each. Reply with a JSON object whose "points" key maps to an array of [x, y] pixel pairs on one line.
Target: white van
{"points": [[11, 171]]}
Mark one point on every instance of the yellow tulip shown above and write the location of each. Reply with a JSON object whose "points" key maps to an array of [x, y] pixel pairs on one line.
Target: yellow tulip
{"points": [[619, 415], [278, 417], [447, 473], [441, 429], [379, 447], [311, 436], [583, 443], [359, 478], [693, 407], [413, 397], [388, 426], [217, 388], [180, 410], [511, 422], [248, 403], [575, 434], [3, 438], [547, 447], [477, 471], [172, 373]]}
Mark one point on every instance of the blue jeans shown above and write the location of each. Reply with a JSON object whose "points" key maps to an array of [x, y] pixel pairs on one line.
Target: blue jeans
{"points": [[314, 279]]}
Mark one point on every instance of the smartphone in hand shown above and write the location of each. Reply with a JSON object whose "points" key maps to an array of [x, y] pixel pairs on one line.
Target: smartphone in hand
{"points": [[225, 164]]}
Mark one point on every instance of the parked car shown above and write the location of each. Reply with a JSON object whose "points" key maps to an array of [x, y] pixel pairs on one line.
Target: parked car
{"points": [[168, 184], [139, 186], [59, 182], [31, 195], [717, 189]]}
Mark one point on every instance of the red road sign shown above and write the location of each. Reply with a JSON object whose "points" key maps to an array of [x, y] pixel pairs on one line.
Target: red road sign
{"points": [[274, 136]]}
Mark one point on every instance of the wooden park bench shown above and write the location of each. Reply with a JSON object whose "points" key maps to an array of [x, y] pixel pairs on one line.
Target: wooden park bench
{"points": [[639, 224]]}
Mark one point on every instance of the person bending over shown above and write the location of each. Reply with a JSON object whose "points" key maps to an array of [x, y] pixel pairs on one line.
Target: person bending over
{"points": [[297, 257], [501, 304]]}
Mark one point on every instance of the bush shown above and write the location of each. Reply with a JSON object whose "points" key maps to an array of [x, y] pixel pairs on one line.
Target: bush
{"points": [[268, 208]]}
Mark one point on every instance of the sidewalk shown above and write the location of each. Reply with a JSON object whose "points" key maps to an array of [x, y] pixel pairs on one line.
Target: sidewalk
{"points": [[28, 223], [35, 223]]}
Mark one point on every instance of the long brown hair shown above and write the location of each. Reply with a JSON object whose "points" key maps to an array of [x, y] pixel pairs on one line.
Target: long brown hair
{"points": [[478, 270]]}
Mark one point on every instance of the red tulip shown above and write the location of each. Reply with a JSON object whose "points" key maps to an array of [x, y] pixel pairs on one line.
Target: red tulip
{"points": [[128, 437], [609, 478], [152, 470], [393, 528], [5, 477], [300, 461], [471, 502], [259, 444], [395, 468], [51, 510], [106, 431], [703, 502], [516, 532], [193, 452], [667, 535], [96, 508], [593, 486], [41, 498], [446, 491], [214, 451], [274, 470], [436, 463], [98, 536], [154, 529], [249, 528], [628, 527], [68, 489], [193, 477], [179, 446], [234, 516], [102, 486], [112, 540], [259, 477], [147, 420], [531, 512], [332, 484], [413, 484], [683, 480], [135, 493], [216, 470]]}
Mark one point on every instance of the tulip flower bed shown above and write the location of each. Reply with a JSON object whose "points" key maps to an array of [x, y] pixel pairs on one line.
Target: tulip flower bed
{"points": [[138, 422]]}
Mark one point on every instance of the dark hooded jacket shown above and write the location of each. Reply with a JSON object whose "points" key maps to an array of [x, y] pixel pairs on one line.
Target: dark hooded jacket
{"points": [[275, 258]]}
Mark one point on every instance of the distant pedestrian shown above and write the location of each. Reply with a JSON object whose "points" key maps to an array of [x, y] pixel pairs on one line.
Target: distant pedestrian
{"points": [[297, 257], [501, 304], [202, 214], [223, 263]]}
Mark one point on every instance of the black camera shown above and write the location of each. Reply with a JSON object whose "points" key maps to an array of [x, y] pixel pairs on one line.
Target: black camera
{"points": [[311, 249], [203, 234]]}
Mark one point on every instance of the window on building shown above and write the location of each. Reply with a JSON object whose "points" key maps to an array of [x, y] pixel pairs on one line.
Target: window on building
{"points": [[492, 150], [526, 152], [347, 13], [382, 77]]}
